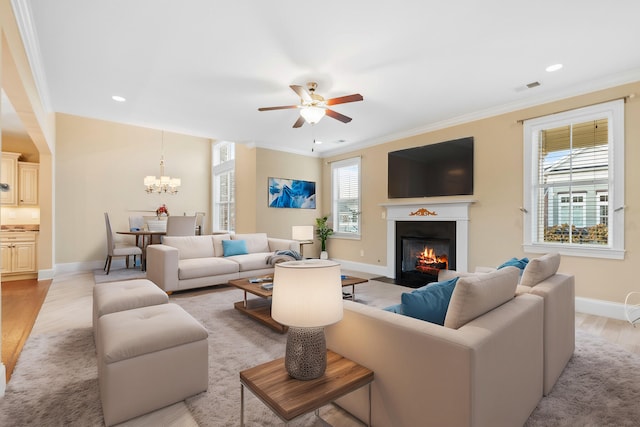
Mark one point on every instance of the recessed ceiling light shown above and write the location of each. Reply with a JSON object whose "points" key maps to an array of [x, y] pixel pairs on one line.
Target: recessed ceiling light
{"points": [[118, 98], [554, 67], [317, 141]]}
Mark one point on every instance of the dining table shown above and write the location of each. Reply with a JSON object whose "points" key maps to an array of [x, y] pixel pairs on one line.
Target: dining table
{"points": [[147, 237]]}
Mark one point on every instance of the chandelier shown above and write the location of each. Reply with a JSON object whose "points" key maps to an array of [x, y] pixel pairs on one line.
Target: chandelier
{"points": [[164, 184]]}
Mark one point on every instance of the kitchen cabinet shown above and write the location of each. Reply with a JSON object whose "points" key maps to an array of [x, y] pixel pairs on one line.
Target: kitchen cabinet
{"points": [[28, 183], [9, 175], [18, 252]]}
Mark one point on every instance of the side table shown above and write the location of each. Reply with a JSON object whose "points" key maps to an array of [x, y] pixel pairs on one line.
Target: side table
{"points": [[289, 398]]}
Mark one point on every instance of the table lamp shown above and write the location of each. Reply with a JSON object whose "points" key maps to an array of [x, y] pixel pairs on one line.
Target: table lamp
{"points": [[302, 232], [307, 295]]}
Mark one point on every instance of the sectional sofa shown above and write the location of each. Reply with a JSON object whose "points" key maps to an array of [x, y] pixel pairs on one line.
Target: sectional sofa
{"points": [[504, 342], [187, 262]]}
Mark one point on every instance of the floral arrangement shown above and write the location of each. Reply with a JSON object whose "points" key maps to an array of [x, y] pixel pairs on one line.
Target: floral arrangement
{"points": [[162, 210]]}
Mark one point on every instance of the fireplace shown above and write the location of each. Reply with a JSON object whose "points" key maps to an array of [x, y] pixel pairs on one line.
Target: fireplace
{"points": [[442, 227], [423, 248]]}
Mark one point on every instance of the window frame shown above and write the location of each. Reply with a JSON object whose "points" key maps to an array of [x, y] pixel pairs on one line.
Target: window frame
{"points": [[220, 168], [335, 166], [614, 112]]}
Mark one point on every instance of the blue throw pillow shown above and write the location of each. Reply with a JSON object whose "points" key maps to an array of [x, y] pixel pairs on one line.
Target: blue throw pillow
{"points": [[430, 302], [394, 308], [515, 262], [234, 247]]}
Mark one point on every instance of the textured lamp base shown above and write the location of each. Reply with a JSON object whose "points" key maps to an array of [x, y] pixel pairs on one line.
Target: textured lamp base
{"points": [[306, 355]]}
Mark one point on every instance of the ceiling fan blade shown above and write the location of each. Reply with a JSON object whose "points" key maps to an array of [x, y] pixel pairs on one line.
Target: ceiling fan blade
{"points": [[299, 122], [337, 116], [302, 92], [284, 107], [344, 99]]}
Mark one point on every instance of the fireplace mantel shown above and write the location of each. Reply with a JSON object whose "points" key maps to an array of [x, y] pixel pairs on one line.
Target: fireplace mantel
{"points": [[452, 210]]}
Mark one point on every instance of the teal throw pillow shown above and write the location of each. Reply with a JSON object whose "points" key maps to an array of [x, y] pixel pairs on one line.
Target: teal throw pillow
{"points": [[234, 247], [515, 262], [430, 302], [394, 308]]}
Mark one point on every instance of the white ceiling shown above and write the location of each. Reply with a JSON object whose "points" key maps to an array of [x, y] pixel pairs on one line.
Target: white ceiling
{"points": [[203, 67]]}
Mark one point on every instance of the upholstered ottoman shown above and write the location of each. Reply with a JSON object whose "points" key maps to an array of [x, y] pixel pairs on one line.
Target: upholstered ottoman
{"points": [[112, 297], [149, 358]]}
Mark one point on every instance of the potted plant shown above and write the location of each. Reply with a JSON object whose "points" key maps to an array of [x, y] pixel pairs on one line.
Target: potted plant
{"points": [[323, 231]]}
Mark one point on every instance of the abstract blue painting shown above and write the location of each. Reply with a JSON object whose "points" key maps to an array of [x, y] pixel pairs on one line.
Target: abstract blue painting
{"points": [[292, 193]]}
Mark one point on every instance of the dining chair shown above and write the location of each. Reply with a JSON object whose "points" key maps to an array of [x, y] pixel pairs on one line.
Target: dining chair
{"points": [[181, 226], [118, 249]]}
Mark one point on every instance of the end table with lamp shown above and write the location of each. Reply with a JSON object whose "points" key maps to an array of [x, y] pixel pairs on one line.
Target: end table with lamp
{"points": [[303, 234], [307, 296]]}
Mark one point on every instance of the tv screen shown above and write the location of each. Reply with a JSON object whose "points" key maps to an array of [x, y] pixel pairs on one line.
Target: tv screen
{"points": [[442, 169]]}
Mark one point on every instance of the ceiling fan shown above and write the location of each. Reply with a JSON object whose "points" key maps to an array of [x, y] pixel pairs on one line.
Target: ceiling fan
{"points": [[313, 107]]}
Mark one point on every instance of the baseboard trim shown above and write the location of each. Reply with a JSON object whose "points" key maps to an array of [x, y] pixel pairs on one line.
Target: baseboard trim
{"points": [[365, 268], [613, 310], [3, 379]]}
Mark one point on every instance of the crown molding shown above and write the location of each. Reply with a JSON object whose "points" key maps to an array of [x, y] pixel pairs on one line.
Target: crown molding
{"points": [[24, 19], [606, 82]]}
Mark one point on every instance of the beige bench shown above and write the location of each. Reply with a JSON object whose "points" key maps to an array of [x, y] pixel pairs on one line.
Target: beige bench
{"points": [[149, 358]]}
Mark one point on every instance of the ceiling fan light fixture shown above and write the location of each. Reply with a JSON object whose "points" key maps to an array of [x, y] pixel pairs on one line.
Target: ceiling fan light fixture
{"points": [[312, 114]]}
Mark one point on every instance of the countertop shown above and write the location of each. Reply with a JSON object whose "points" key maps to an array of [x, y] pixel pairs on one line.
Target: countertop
{"points": [[20, 228]]}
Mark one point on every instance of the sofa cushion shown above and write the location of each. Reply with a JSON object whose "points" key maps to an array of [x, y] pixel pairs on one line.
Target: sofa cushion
{"points": [[476, 295], [234, 247], [248, 262], [205, 267], [256, 242], [430, 302], [217, 243], [190, 246], [540, 269]]}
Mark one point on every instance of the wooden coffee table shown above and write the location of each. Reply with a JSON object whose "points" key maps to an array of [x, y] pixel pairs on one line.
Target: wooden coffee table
{"points": [[290, 398], [260, 309]]}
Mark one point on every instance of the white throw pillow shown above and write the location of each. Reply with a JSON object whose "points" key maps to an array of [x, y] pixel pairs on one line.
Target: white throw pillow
{"points": [[478, 294], [539, 269]]}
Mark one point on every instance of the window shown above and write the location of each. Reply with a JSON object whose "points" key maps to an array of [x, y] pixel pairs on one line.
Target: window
{"points": [[574, 180], [345, 181], [224, 215]]}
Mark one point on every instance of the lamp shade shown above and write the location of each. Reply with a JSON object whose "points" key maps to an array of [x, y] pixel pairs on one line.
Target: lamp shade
{"points": [[307, 294], [302, 232]]}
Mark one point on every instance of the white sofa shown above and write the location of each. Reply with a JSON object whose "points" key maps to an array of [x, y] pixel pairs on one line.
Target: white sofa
{"points": [[487, 372], [187, 262], [540, 277]]}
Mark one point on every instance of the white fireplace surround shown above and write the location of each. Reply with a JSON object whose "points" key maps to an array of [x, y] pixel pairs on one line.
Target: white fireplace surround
{"points": [[457, 211]]}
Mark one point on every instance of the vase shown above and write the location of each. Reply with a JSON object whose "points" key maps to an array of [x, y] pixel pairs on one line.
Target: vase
{"points": [[324, 255]]}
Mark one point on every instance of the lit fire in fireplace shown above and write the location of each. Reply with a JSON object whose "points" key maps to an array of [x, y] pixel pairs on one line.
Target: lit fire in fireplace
{"points": [[430, 263]]}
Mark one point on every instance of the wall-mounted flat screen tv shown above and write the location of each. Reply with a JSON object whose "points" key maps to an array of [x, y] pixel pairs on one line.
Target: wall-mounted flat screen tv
{"points": [[442, 169]]}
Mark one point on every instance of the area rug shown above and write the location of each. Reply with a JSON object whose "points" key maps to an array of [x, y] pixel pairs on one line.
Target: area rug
{"points": [[55, 380]]}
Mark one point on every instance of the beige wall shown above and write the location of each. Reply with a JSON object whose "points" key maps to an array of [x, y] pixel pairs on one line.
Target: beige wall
{"points": [[496, 225], [100, 167], [277, 222]]}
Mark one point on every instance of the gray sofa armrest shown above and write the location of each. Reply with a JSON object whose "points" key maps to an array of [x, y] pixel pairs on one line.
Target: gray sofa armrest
{"points": [[283, 245], [162, 266]]}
